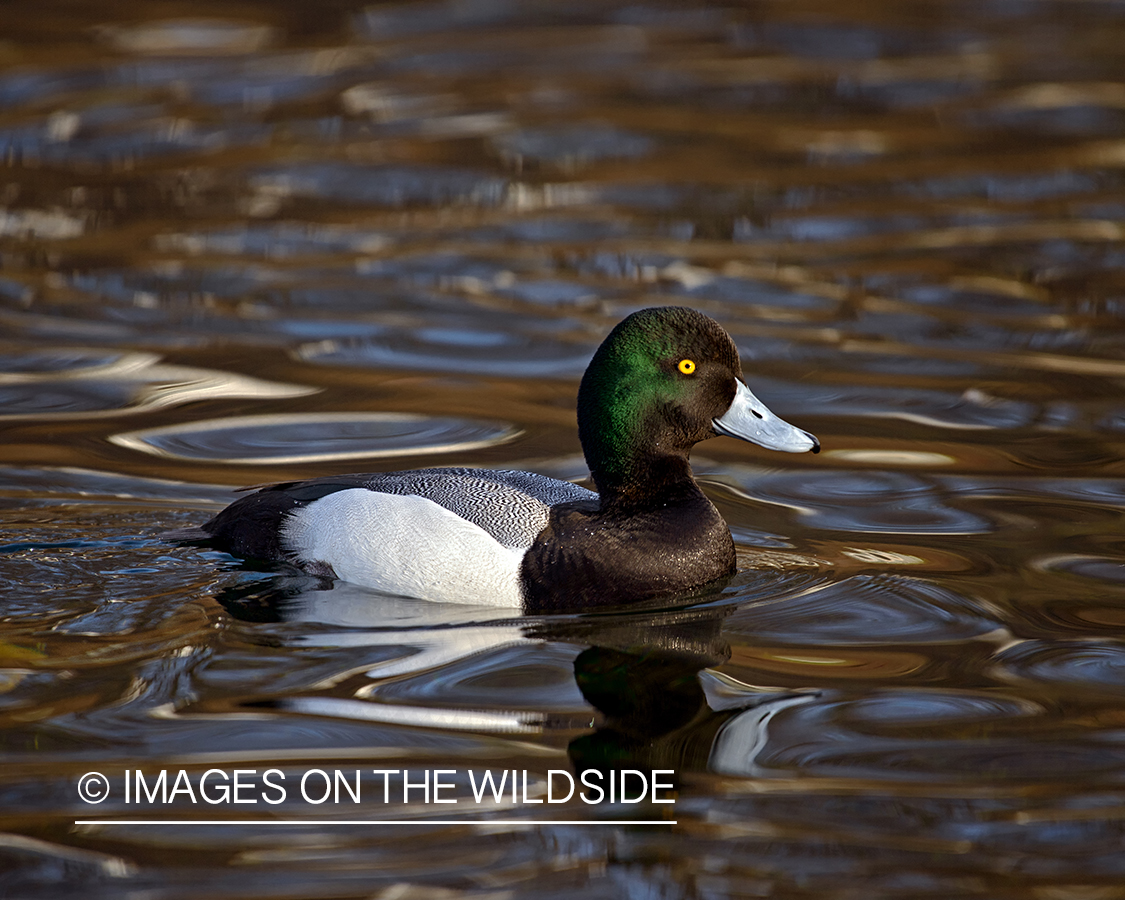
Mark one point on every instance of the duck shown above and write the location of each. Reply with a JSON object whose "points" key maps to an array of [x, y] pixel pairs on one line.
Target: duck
{"points": [[664, 379]]}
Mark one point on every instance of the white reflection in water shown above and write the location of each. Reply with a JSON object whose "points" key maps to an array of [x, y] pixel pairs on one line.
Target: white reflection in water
{"points": [[498, 722], [893, 457], [37, 223], [435, 642], [741, 739], [88, 383], [195, 37]]}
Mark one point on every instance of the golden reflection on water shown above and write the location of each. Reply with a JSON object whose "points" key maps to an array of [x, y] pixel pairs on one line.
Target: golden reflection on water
{"points": [[910, 218], [859, 664]]}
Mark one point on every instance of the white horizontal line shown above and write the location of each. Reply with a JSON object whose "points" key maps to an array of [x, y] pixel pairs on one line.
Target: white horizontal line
{"points": [[375, 822]]}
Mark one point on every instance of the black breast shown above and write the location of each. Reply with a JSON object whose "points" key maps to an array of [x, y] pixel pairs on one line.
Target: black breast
{"points": [[587, 557]]}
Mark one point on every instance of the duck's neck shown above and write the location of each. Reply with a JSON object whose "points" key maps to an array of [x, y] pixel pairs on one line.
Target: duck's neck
{"points": [[653, 481]]}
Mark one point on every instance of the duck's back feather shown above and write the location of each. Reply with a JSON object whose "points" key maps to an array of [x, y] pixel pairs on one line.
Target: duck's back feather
{"points": [[512, 507]]}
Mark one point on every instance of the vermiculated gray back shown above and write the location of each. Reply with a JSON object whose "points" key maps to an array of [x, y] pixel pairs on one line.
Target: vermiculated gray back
{"points": [[511, 506]]}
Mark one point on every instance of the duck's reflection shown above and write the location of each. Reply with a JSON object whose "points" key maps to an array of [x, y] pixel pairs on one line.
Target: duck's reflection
{"points": [[645, 692], [651, 676]]}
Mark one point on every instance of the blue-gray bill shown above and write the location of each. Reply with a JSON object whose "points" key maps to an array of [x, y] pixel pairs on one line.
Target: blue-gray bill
{"points": [[748, 418]]}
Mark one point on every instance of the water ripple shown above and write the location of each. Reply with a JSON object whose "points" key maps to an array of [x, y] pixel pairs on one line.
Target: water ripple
{"points": [[459, 345], [829, 737], [873, 502], [866, 610], [921, 709], [1109, 570], [392, 186], [572, 146], [1084, 665], [314, 437], [79, 383], [204, 37]]}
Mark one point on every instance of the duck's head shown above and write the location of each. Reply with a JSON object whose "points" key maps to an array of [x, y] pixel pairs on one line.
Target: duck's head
{"points": [[663, 380]]}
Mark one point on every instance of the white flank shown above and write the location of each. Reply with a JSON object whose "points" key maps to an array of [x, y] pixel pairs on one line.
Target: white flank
{"points": [[405, 545]]}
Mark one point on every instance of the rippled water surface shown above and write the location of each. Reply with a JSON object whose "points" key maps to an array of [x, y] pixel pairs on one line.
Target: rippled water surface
{"points": [[249, 243]]}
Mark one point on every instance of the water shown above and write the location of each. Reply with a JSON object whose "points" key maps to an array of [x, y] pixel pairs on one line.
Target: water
{"points": [[239, 247]]}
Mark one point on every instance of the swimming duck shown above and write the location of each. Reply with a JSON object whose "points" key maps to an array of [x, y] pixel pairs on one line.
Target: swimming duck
{"points": [[663, 380]]}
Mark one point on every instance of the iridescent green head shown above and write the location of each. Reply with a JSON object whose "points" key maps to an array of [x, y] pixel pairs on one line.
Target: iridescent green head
{"points": [[663, 380]]}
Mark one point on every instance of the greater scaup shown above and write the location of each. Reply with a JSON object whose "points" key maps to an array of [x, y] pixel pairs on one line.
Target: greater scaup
{"points": [[663, 380]]}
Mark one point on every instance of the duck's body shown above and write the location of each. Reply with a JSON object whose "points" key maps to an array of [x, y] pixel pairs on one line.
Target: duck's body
{"points": [[663, 380]]}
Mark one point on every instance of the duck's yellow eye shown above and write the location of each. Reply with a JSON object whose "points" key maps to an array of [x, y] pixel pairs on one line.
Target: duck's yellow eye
{"points": [[687, 366]]}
